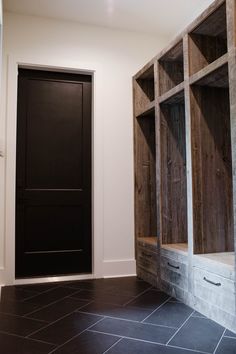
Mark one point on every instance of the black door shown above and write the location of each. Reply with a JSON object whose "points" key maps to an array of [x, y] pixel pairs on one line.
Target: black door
{"points": [[53, 180]]}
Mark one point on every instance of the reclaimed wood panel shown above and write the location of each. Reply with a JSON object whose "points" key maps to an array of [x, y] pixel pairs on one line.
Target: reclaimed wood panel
{"points": [[208, 41], [171, 68], [214, 289], [144, 92], [212, 170], [145, 176], [173, 174]]}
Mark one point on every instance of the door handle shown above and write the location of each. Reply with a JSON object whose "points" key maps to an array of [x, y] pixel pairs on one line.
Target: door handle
{"points": [[211, 282], [172, 266]]}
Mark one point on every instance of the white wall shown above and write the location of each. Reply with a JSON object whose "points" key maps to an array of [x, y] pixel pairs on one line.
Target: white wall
{"points": [[116, 56]]}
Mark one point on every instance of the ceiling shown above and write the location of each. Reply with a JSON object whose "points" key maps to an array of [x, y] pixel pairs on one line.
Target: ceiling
{"points": [[156, 17]]}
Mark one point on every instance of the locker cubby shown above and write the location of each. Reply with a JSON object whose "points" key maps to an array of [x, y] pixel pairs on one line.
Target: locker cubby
{"points": [[212, 164], [145, 176], [208, 41], [173, 172], [144, 89], [171, 68]]}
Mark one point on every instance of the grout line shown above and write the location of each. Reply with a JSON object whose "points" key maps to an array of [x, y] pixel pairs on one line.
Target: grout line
{"points": [[42, 292], [203, 317], [133, 321], [128, 320], [22, 337], [101, 332], [219, 341], [190, 350], [77, 335], [19, 316], [112, 317], [147, 341], [180, 328], [113, 345], [51, 303], [159, 325], [230, 337], [49, 324], [135, 297], [126, 337], [155, 310]]}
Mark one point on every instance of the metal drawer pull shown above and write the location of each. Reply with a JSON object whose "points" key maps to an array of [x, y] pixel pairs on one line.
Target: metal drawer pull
{"points": [[172, 266], [211, 282], [146, 255]]}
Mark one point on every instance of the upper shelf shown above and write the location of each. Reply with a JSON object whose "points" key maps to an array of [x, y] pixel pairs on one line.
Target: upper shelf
{"points": [[208, 41], [218, 78], [171, 68], [144, 91]]}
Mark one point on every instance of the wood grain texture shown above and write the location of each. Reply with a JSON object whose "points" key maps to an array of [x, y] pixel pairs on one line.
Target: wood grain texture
{"points": [[214, 289], [171, 74], [173, 174], [205, 50], [147, 260], [214, 24], [144, 94], [217, 78], [212, 170], [145, 176], [143, 274], [175, 95], [208, 41], [174, 272], [231, 24], [213, 70]]}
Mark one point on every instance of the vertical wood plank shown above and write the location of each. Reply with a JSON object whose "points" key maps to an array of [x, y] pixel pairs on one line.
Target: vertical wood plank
{"points": [[186, 51]]}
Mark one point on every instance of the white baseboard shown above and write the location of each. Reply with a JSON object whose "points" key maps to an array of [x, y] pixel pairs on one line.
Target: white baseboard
{"points": [[53, 279], [119, 268]]}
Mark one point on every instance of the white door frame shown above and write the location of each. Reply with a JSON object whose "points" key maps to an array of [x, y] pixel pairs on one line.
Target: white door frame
{"points": [[7, 274]]}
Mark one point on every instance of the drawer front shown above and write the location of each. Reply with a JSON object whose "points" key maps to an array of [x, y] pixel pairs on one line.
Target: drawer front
{"points": [[214, 289], [147, 260], [174, 272]]}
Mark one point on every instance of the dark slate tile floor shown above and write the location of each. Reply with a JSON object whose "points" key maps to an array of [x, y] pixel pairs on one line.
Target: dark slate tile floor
{"points": [[113, 316]]}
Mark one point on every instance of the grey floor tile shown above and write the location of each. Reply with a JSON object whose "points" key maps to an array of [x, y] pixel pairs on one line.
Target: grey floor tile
{"points": [[129, 286], [65, 328], [134, 330], [150, 299], [10, 344], [102, 296], [227, 346], [230, 334], [198, 334], [127, 346], [14, 293], [19, 325], [171, 314], [129, 313], [17, 307], [57, 310], [88, 343], [39, 288], [51, 296]]}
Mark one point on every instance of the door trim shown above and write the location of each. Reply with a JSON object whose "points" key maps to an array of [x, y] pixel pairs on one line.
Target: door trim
{"points": [[94, 69]]}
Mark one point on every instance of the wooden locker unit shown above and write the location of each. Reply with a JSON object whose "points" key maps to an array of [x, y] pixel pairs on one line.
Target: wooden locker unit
{"points": [[185, 155]]}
